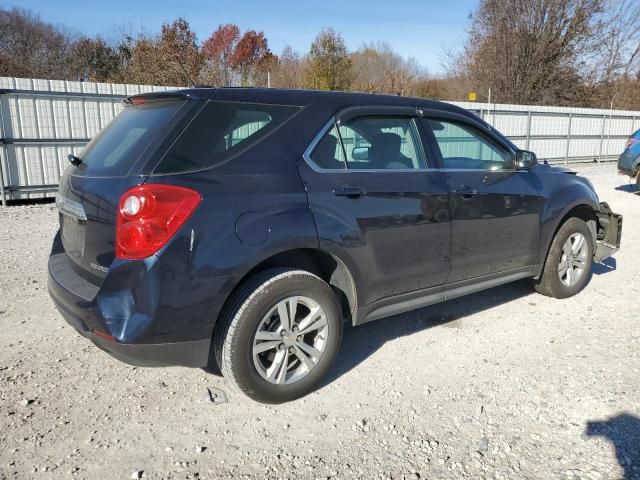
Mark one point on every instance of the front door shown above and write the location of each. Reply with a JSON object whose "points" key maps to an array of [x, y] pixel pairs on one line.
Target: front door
{"points": [[378, 206], [495, 209]]}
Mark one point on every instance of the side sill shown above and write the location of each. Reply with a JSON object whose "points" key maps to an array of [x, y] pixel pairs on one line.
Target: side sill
{"points": [[423, 298]]}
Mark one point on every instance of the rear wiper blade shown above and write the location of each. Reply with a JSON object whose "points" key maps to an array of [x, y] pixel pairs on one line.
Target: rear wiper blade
{"points": [[75, 161]]}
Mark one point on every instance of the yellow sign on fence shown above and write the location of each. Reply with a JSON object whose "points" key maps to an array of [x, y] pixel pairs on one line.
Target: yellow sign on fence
{"points": [[473, 96]]}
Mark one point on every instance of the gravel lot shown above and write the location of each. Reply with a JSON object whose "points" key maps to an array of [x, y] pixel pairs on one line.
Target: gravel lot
{"points": [[501, 384]]}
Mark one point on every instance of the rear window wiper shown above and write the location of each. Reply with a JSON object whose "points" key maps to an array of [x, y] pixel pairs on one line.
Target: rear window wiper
{"points": [[75, 161]]}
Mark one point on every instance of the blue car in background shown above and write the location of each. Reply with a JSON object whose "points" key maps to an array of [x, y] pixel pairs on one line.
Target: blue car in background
{"points": [[629, 160]]}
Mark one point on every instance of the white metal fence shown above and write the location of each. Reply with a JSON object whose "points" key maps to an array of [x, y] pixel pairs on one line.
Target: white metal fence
{"points": [[42, 121], [562, 134]]}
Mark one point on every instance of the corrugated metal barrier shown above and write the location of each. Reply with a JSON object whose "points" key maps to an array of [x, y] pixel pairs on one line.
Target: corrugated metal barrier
{"points": [[42, 121]]}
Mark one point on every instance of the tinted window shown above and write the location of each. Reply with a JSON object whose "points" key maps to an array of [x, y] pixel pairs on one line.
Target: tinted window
{"points": [[465, 147], [328, 152], [371, 143], [219, 131], [382, 143], [118, 146]]}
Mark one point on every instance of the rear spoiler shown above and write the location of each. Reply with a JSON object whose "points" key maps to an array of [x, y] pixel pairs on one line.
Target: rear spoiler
{"points": [[170, 95]]}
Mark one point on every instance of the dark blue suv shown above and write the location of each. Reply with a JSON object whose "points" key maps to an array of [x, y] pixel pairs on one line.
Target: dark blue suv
{"points": [[240, 227]]}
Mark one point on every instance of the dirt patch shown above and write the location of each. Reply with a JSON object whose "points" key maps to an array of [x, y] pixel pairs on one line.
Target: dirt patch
{"points": [[501, 384]]}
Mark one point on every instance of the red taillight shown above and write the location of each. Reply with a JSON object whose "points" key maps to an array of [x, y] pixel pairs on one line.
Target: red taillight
{"points": [[631, 142], [149, 215], [106, 336]]}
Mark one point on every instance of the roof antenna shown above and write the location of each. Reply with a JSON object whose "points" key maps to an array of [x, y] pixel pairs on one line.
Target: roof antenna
{"points": [[184, 70]]}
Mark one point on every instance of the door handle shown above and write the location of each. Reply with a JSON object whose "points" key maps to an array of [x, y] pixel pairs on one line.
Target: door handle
{"points": [[351, 192], [466, 191]]}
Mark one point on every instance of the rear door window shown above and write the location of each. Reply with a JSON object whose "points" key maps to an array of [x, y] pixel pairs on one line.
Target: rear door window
{"points": [[119, 145], [221, 130]]}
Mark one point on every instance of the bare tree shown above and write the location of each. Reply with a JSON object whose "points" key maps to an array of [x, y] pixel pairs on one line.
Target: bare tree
{"points": [[618, 58], [377, 68], [171, 58], [289, 70], [533, 51], [30, 47], [92, 59]]}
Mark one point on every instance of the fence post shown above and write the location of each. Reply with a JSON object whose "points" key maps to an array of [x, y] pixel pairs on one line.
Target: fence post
{"points": [[528, 130], [3, 196], [604, 121], [566, 154]]}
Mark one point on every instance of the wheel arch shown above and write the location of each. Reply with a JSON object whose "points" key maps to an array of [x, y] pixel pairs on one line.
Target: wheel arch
{"points": [[584, 209], [635, 168], [325, 265]]}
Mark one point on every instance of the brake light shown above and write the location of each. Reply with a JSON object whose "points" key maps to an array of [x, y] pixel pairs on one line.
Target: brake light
{"points": [[149, 215], [134, 101], [106, 336], [631, 142]]}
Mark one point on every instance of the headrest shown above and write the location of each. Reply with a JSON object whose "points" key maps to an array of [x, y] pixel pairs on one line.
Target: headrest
{"points": [[385, 148], [326, 149]]}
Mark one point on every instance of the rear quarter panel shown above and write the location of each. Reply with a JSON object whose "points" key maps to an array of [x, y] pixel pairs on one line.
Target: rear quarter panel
{"points": [[254, 206]]}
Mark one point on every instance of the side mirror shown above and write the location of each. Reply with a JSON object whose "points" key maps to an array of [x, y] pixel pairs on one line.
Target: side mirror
{"points": [[525, 160], [360, 153]]}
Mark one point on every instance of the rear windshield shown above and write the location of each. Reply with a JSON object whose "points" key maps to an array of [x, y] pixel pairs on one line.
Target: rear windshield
{"points": [[119, 145], [221, 130]]}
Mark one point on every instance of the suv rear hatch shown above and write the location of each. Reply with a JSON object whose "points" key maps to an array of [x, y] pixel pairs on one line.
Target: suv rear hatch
{"points": [[120, 157]]}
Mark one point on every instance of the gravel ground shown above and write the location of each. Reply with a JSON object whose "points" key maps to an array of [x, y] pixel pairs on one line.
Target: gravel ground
{"points": [[501, 384]]}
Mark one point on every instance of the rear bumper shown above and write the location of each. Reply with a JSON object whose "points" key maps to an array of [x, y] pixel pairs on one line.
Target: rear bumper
{"points": [[187, 354], [609, 233], [628, 164], [121, 323]]}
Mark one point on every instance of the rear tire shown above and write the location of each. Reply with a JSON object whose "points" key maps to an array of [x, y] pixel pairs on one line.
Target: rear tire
{"points": [[569, 262], [279, 335]]}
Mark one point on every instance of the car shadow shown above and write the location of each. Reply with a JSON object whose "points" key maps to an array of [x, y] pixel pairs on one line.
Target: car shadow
{"points": [[30, 201], [629, 187], [359, 343], [623, 431], [608, 265]]}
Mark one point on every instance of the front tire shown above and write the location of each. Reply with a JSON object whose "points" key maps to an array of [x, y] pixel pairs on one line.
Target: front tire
{"points": [[279, 335], [569, 262]]}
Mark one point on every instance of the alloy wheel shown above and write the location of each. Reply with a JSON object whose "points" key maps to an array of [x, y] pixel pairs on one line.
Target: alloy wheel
{"points": [[290, 340], [573, 260]]}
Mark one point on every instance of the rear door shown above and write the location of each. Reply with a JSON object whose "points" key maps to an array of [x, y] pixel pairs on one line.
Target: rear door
{"points": [[495, 209], [112, 162], [377, 203]]}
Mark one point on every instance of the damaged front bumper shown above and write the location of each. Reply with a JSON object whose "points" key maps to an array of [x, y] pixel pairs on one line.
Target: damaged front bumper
{"points": [[609, 232]]}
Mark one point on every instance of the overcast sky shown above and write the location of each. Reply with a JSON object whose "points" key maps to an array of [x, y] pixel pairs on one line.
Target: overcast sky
{"points": [[420, 29]]}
